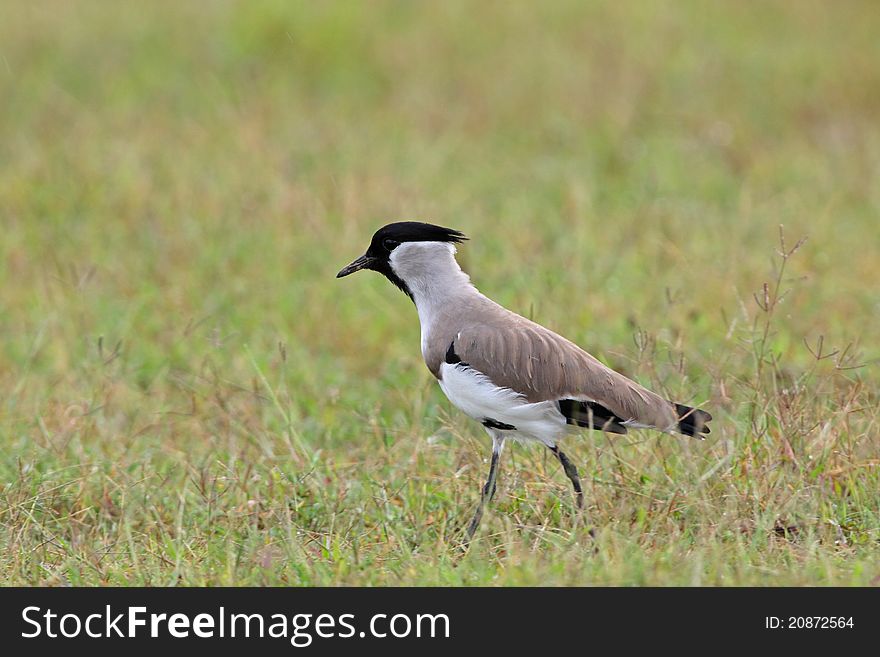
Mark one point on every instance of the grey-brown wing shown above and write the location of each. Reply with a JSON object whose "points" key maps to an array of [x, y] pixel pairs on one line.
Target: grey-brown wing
{"points": [[542, 366]]}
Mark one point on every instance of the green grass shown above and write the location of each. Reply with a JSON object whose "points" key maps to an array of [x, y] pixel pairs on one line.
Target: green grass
{"points": [[187, 396]]}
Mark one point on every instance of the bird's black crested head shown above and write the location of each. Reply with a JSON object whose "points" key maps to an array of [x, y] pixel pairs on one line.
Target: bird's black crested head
{"points": [[389, 237]]}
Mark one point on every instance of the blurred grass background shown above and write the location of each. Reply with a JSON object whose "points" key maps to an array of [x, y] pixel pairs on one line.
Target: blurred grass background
{"points": [[188, 396]]}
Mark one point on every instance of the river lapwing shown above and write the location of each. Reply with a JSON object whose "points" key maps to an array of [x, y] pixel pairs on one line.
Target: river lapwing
{"points": [[515, 377]]}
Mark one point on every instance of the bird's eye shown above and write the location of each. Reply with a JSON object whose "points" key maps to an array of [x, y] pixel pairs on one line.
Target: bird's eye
{"points": [[389, 244]]}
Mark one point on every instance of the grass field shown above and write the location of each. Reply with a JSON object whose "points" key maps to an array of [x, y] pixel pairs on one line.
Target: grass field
{"points": [[188, 396]]}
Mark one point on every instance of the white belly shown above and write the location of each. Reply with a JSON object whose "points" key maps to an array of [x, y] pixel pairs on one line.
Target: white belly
{"points": [[478, 397]]}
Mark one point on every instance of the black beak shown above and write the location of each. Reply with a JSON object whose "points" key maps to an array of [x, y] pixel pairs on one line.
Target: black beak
{"points": [[363, 262]]}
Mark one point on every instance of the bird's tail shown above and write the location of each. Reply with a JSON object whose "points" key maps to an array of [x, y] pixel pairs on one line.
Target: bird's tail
{"points": [[692, 421]]}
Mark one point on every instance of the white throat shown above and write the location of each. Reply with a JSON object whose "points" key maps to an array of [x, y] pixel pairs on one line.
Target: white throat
{"points": [[433, 276]]}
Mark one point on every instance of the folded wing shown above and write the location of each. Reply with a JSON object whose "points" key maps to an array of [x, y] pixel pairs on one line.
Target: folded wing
{"points": [[542, 366]]}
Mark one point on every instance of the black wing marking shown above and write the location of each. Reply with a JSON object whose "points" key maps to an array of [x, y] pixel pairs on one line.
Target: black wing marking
{"points": [[452, 357], [590, 415], [692, 421], [489, 423]]}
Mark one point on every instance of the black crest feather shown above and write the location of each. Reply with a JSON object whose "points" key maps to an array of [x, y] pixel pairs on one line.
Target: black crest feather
{"points": [[417, 231]]}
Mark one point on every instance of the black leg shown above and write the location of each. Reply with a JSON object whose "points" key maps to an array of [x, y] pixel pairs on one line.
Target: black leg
{"points": [[489, 488], [572, 473]]}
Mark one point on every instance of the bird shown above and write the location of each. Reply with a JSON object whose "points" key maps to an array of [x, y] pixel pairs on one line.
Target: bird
{"points": [[519, 380]]}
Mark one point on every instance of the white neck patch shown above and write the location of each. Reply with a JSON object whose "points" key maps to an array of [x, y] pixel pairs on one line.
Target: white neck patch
{"points": [[431, 273], [412, 261]]}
